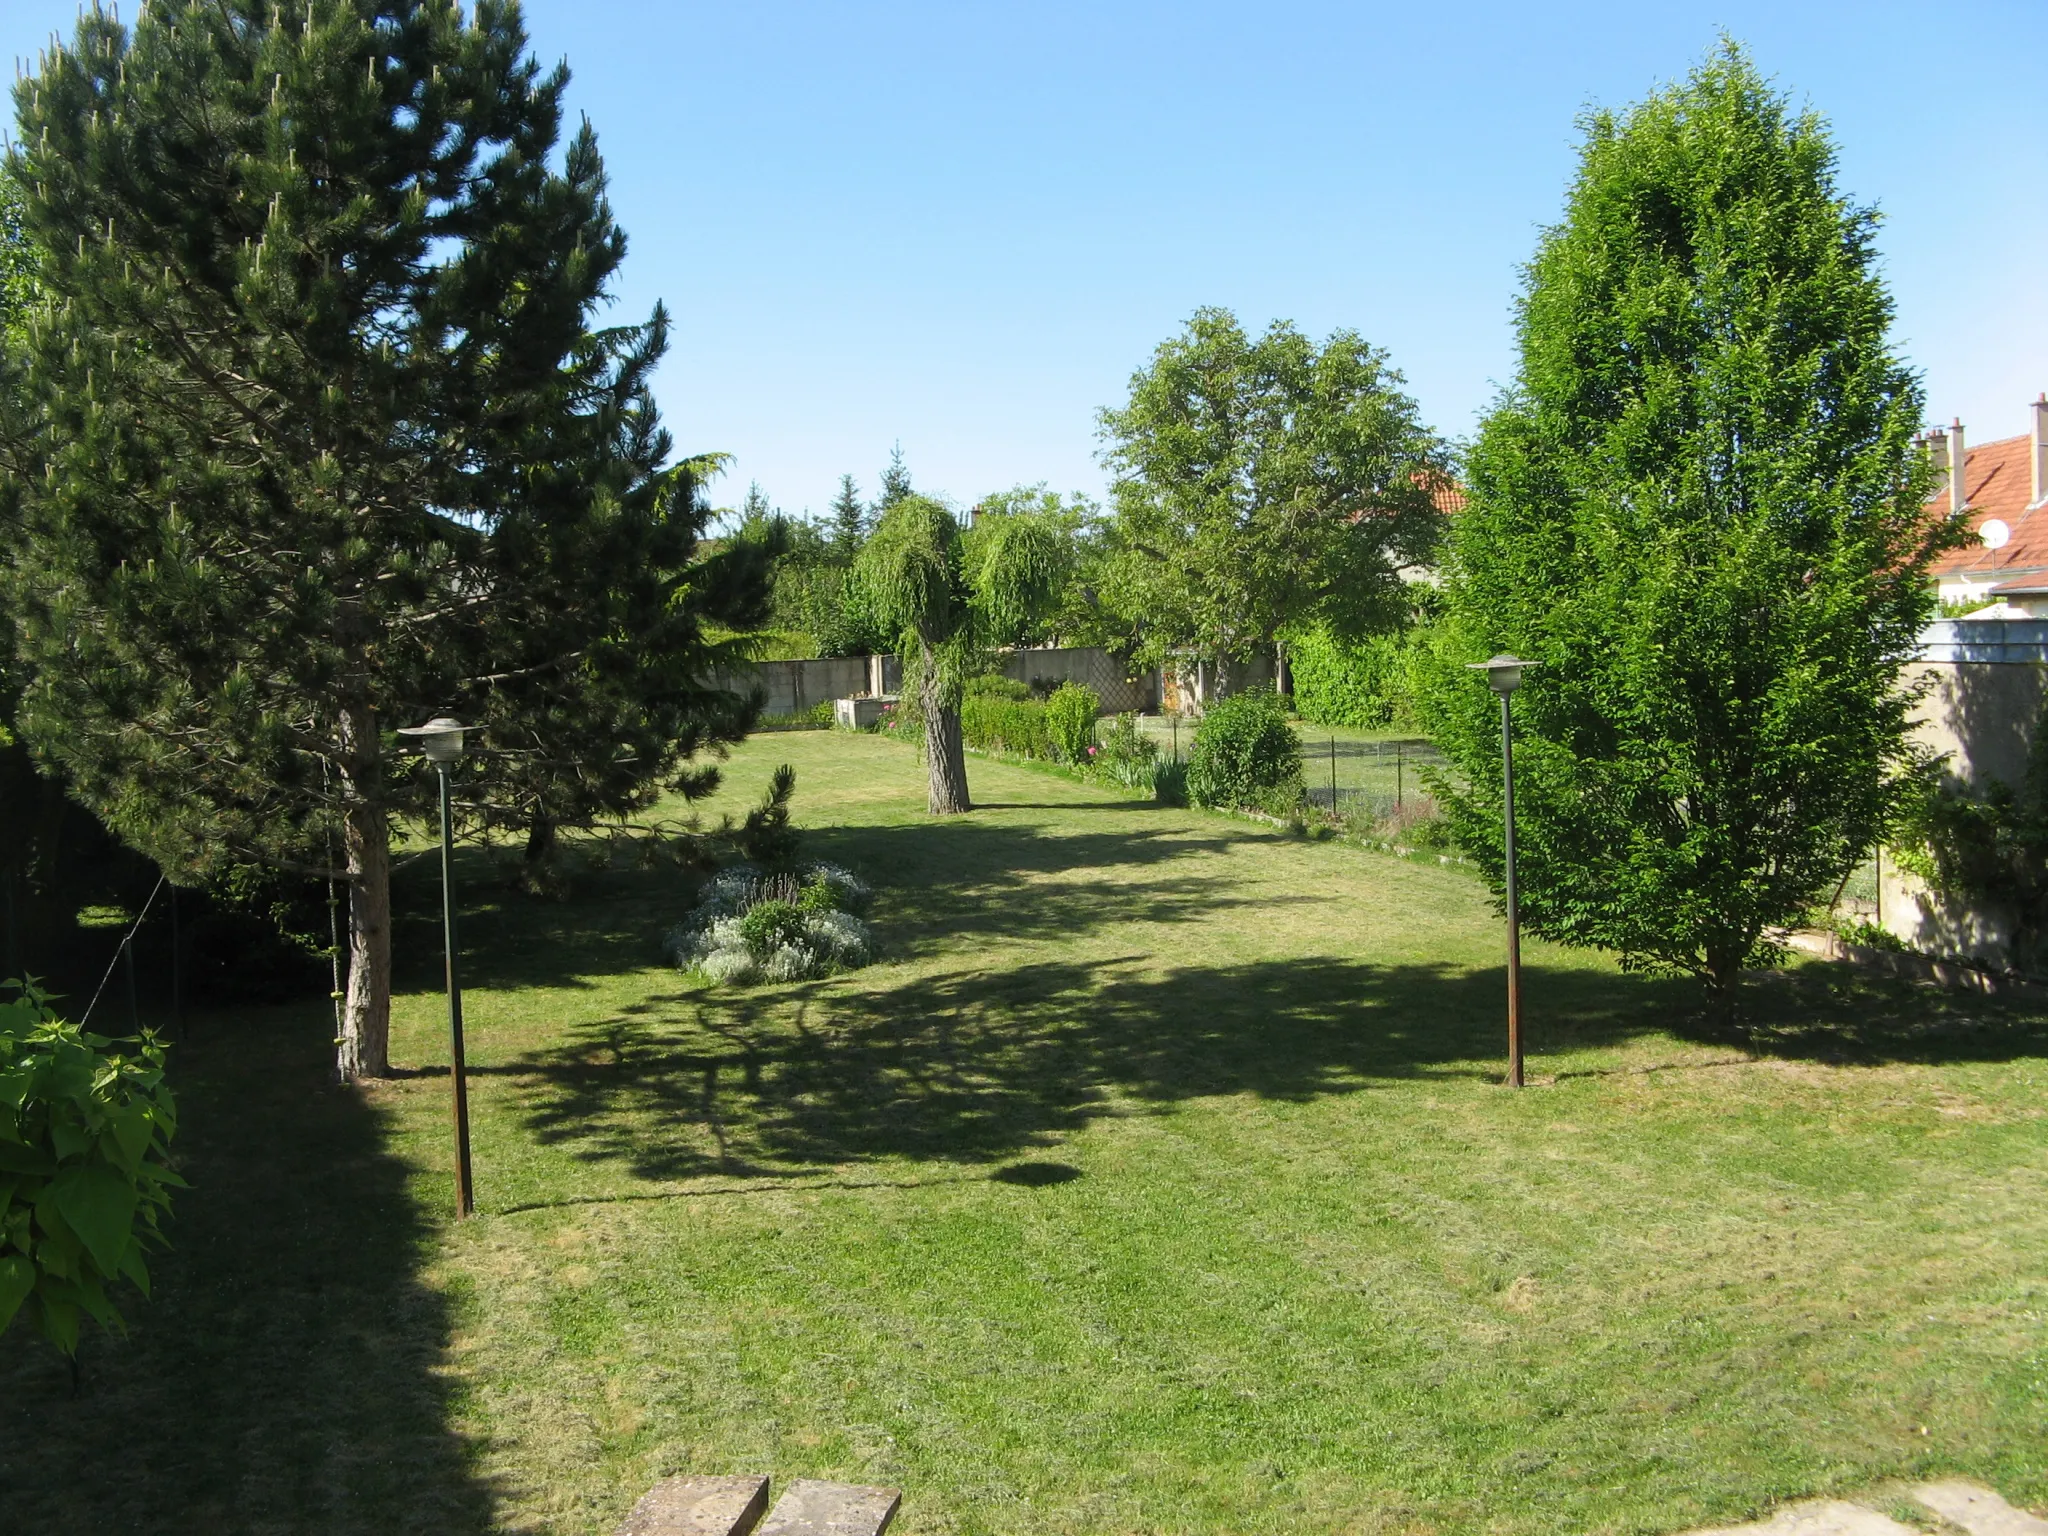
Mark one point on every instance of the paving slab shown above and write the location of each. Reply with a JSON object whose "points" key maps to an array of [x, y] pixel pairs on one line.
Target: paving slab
{"points": [[1820, 1517], [698, 1506], [1978, 1510], [811, 1508]]}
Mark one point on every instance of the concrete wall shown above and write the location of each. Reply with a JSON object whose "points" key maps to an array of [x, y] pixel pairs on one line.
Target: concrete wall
{"points": [[1986, 685], [1119, 690], [792, 686]]}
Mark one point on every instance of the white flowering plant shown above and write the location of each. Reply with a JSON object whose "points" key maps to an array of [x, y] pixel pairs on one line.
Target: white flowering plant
{"points": [[748, 927]]}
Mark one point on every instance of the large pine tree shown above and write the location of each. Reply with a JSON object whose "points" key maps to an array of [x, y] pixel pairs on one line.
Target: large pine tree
{"points": [[323, 440], [1699, 511]]}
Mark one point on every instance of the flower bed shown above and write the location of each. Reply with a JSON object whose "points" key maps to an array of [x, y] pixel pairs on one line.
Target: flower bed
{"points": [[748, 927]]}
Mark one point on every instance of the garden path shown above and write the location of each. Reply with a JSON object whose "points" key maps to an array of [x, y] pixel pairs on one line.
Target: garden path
{"points": [[1969, 1507]]}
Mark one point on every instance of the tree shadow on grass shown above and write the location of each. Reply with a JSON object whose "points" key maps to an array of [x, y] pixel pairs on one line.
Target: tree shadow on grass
{"points": [[284, 1376], [939, 877], [980, 1066]]}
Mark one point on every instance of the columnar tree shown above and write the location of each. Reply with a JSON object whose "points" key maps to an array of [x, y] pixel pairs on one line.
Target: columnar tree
{"points": [[1698, 509], [322, 440], [1261, 484], [895, 481], [848, 520], [952, 598]]}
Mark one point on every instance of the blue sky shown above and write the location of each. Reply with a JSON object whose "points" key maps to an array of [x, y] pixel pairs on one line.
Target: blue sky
{"points": [[962, 226]]}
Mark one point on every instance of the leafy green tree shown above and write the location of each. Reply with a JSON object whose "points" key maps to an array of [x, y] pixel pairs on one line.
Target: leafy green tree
{"points": [[1698, 509], [1263, 484], [948, 603], [322, 441], [1075, 615]]}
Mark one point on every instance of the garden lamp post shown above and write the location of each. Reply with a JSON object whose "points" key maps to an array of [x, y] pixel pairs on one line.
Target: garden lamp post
{"points": [[1504, 676], [441, 741]]}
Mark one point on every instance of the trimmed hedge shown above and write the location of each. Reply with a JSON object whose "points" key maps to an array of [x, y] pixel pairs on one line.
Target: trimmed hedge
{"points": [[991, 723], [1340, 683]]}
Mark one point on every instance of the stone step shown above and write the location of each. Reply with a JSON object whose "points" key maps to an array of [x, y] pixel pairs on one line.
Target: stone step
{"points": [[699, 1506], [1819, 1517], [1978, 1510], [811, 1508]]}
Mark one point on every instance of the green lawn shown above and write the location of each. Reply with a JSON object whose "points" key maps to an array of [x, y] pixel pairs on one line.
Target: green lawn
{"points": [[1158, 1180]]}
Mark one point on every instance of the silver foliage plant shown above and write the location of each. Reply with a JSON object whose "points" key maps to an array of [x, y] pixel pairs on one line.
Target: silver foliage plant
{"points": [[814, 929]]}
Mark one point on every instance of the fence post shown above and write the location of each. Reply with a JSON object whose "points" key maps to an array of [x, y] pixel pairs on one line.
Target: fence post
{"points": [[1398, 765], [1333, 775]]}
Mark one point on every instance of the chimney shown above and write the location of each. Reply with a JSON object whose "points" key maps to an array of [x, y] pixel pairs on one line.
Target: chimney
{"points": [[1958, 466], [2040, 452], [1936, 443]]}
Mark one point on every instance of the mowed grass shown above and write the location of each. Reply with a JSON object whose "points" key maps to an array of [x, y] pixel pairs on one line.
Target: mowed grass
{"points": [[1158, 1180]]}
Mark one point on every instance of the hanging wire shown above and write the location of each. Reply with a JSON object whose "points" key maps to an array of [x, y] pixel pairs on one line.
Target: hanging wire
{"points": [[122, 949]]}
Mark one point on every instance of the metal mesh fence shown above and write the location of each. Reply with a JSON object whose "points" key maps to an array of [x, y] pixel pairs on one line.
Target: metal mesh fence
{"points": [[1379, 778]]}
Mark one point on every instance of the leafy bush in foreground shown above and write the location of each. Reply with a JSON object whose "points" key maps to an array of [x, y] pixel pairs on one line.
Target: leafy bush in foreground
{"points": [[1246, 755], [83, 1177]]}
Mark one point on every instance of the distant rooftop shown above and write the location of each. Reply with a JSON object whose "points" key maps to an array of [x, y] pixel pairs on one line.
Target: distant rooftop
{"points": [[2004, 509]]}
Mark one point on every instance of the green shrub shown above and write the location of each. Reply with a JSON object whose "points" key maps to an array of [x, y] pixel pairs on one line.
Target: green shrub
{"points": [[1868, 935], [993, 685], [813, 717], [771, 925], [1361, 684], [1170, 781], [1126, 755], [83, 1177], [1070, 718], [1246, 755], [991, 723]]}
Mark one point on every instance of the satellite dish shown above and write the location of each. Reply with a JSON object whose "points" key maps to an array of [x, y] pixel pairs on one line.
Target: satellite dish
{"points": [[1995, 533]]}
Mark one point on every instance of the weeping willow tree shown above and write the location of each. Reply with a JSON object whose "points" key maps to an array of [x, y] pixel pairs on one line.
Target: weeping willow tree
{"points": [[953, 595]]}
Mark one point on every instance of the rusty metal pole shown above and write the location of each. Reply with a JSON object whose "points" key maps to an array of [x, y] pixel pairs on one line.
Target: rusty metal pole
{"points": [[1507, 769], [465, 1203]]}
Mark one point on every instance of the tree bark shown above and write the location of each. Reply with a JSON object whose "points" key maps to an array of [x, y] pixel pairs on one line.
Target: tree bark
{"points": [[1724, 983], [364, 1049], [540, 839], [943, 750], [1283, 680]]}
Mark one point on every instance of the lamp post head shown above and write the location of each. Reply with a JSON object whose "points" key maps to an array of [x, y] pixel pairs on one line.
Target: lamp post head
{"points": [[1503, 672], [440, 738]]}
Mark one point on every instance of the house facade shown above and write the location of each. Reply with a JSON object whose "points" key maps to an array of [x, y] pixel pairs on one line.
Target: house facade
{"points": [[2000, 487]]}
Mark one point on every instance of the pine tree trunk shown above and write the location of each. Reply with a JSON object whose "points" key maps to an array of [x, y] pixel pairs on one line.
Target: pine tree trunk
{"points": [[943, 750], [364, 1049], [540, 840]]}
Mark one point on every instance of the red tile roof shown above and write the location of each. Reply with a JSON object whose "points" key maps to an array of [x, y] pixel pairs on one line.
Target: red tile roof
{"points": [[1444, 492], [1998, 481]]}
